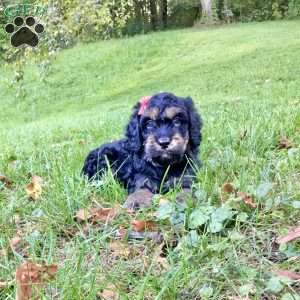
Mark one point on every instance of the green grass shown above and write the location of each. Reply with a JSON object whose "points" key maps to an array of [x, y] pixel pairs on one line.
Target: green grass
{"points": [[243, 78]]}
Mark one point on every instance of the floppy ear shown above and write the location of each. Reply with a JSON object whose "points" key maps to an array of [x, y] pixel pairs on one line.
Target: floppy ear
{"points": [[133, 132], [195, 125]]}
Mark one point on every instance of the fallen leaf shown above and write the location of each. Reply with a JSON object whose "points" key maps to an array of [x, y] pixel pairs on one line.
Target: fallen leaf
{"points": [[109, 293], [292, 234], [3, 252], [284, 143], [228, 188], [160, 263], [247, 199], [15, 241], [5, 181], [82, 215], [140, 225], [37, 179], [34, 188], [19, 245], [31, 278], [103, 214], [121, 232], [120, 249], [5, 284], [163, 261], [95, 215], [288, 274]]}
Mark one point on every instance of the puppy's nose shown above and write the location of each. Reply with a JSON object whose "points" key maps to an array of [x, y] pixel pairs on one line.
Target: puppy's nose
{"points": [[164, 142]]}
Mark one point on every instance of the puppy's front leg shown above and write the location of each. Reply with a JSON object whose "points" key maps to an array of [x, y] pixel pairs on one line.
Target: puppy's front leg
{"points": [[141, 190], [141, 198]]}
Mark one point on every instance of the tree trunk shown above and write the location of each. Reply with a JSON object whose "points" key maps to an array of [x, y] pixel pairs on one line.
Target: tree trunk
{"points": [[164, 13], [153, 14], [206, 6], [137, 10]]}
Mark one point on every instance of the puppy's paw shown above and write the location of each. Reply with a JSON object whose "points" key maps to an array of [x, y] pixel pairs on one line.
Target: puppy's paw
{"points": [[139, 199]]}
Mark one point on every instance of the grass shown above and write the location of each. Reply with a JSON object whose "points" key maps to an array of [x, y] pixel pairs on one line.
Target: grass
{"points": [[245, 81]]}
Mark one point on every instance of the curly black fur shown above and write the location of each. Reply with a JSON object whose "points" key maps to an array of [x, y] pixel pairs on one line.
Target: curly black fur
{"points": [[138, 165]]}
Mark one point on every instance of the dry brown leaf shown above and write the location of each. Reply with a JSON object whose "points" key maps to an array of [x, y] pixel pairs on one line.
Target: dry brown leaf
{"points": [[121, 232], [104, 214], [292, 235], [5, 181], [31, 278], [141, 225], [37, 179], [5, 284], [120, 249], [163, 261], [96, 215], [228, 188], [15, 241], [19, 245], [3, 252], [247, 199], [288, 274], [284, 143], [109, 293], [34, 188], [82, 215]]}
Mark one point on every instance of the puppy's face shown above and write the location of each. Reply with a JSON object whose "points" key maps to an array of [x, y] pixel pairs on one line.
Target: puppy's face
{"points": [[165, 131]]}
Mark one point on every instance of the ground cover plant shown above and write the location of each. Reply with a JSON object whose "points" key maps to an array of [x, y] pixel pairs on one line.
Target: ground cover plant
{"points": [[233, 240]]}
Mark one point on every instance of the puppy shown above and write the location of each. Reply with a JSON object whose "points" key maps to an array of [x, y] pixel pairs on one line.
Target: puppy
{"points": [[160, 146]]}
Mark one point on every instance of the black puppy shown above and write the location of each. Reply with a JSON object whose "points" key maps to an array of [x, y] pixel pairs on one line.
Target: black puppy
{"points": [[161, 141]]}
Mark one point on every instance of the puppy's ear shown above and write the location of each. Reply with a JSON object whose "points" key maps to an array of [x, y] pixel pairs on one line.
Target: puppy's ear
{"points": [[195, 125], [133, 132]]}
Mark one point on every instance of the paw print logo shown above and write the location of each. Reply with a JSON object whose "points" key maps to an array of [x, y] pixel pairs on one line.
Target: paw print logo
{"points": [[24, 33]]}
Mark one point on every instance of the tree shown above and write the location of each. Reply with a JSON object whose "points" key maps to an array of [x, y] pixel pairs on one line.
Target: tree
{"points": [[206, 6], [153, 14], [209, 11], [164, 12]]}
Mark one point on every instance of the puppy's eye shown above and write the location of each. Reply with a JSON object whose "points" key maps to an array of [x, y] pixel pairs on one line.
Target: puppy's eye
{"points": [[150, 125], [177, 123]]}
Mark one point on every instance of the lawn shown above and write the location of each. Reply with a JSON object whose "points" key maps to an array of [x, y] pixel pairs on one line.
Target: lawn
{"points": [[244, 79]]}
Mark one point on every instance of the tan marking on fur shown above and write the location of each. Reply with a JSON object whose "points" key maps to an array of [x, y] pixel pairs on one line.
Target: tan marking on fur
{"points": [[150, 139], [171, 112], [178, 141], [150, 142], [152, 113]]}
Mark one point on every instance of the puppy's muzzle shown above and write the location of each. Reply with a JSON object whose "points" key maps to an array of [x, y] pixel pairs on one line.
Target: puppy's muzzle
{"points": [[164, 142]]}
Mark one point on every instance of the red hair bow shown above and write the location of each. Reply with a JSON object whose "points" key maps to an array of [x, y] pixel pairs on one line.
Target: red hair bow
{"points": [[144, 104]]}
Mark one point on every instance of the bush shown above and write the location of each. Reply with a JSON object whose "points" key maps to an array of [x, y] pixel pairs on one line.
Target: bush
{"points": [[293, 8], [184, 15]]}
